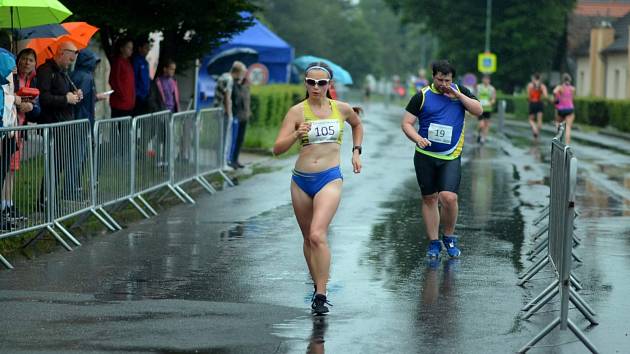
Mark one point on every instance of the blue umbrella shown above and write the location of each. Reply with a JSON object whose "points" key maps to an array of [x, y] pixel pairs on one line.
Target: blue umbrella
{"points": [[44, 31], [340, 75]]}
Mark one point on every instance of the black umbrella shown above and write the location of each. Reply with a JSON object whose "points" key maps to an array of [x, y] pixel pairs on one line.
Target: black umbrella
{"points": [[222, 62], [44, 31]]}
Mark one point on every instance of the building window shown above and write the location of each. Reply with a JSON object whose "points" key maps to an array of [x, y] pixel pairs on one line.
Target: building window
{"points": [[616, 93]]}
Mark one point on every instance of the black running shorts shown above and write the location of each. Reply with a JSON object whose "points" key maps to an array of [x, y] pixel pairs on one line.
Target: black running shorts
{"points": [[536, 107], [437, 175]]}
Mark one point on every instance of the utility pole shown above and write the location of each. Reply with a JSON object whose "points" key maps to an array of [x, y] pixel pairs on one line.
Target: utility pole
{"points": [[488, 23]]}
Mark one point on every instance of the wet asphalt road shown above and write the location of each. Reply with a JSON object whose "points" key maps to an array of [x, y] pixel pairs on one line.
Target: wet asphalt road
{"points": [[228, 276]]}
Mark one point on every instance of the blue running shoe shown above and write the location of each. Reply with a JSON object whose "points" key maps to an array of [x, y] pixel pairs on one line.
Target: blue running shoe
{"points": [[450, 243], [435, 247]]}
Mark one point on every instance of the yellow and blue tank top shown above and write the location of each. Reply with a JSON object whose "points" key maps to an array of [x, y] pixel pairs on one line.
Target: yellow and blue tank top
{"points": [[441, 122], [323, 130]]}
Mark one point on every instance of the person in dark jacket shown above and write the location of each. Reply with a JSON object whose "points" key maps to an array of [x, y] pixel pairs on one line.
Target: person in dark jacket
{"points": [[141, 74], [83, 78], [57, 96], [241, 109]]}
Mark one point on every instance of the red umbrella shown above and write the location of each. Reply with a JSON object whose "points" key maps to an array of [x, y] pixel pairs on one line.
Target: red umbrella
{"points": [[79, 33]]}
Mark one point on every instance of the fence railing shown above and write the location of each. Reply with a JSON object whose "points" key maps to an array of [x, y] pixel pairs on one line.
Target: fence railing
{"points": [[55, 172], [559, 244]]}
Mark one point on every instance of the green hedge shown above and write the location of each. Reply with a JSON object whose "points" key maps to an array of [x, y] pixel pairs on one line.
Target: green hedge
{"points": [[599, 112], [270, 104]]}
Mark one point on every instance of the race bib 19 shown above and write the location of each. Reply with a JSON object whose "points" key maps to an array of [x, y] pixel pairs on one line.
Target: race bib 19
{"points": [[440, 133]]}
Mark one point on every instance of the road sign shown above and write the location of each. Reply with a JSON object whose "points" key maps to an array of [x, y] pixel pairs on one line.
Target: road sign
{"points": [[258, 74], [487, 63]]}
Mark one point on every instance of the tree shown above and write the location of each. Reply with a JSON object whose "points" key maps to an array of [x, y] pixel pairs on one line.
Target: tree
{"points": [[335, 30], [525, 34], [190, 28]]}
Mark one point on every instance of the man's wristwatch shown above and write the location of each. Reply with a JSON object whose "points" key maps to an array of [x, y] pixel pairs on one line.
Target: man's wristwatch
{"points": [[357, 147]]}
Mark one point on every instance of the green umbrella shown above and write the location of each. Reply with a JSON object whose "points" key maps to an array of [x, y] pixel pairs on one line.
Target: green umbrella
{"points": [[29, 13]]}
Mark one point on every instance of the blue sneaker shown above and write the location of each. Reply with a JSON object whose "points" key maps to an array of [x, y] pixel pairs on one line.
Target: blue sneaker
{"points": [[450, 243], [435, 247]]}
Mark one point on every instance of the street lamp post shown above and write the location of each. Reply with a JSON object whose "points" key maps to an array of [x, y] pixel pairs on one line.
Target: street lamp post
{"points": [[488, 22]]}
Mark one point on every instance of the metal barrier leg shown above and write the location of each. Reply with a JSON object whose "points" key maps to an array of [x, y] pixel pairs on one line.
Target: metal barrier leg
{"points": [[543, 215], [144, 213], [574, 296], [577, 284], [581, 336], [534, 272], [537, 251], [541, 303], [202, 181], [541, 244], [186, 195], [532, 267], [67, 233], [576, 239], [540, 335], [541, 230], [5, 262], [147, 205], [226, 178], [540, 296], [110, 218], [56, 236], [176, 192], [101, 219], [576, 279], [575, 257]]}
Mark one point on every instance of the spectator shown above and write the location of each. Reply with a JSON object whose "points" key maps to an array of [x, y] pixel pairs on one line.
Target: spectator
{"points": [[57, 96], [141, 75], [164, 95], [122, 81], [57, 93], [28, 110], [242, 111], [223, 99], [83, 78], [421, 81], [9, 119]]}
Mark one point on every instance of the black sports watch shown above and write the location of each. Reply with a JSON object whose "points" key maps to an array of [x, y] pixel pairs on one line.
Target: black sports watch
{"points": [[357, 147]]}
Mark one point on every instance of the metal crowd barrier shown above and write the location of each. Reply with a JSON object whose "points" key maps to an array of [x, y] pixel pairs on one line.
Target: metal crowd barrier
{"points": [[66, 169], [112, 164], [183, 150], [211, 145], [150, 157], [23, 171], [560, 245], [47, 171]]}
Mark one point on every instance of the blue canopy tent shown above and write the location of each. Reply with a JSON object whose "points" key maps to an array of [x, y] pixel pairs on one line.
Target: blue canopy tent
{"points": [[273, 52]]}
